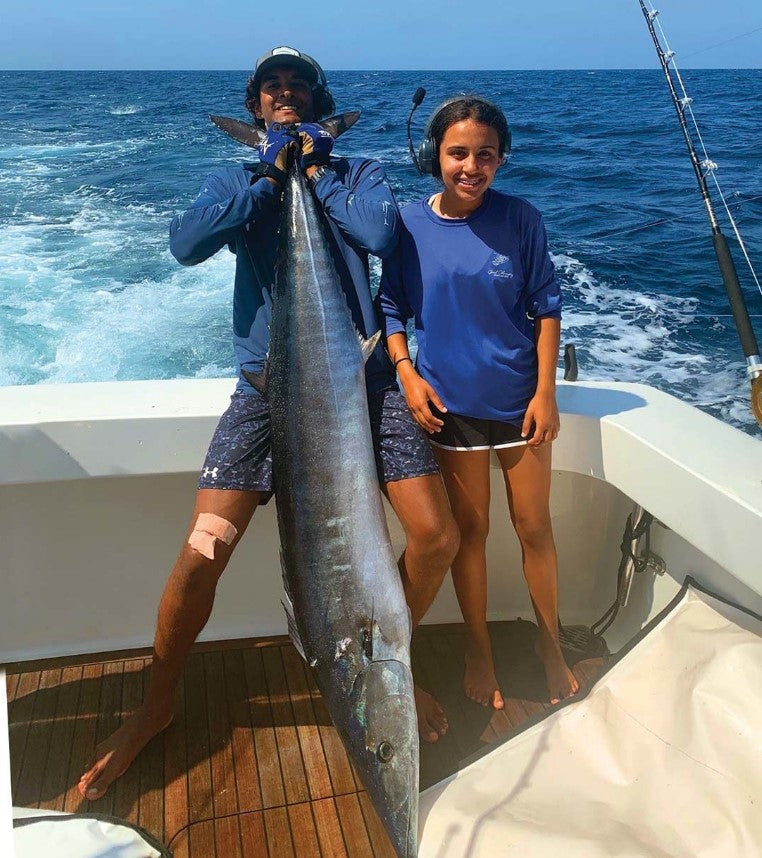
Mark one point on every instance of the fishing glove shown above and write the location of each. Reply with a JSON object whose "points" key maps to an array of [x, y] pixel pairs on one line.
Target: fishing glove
{"points": [[274, 150], [317, 144]]}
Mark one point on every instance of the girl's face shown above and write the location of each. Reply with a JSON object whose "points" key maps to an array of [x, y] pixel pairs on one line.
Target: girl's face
{"points": [[468, 158]]}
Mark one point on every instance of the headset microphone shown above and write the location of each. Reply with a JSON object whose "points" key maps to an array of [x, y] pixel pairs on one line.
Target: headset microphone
{"points": [[418, 97]]}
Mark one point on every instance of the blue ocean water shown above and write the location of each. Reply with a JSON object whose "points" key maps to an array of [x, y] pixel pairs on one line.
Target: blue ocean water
{"points": [[94, 164]]}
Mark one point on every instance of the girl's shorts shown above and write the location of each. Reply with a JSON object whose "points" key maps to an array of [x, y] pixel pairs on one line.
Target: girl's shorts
{"points": [[474, 433]]}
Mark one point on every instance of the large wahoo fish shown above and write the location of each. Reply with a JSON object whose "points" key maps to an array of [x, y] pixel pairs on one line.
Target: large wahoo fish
{"points": [[351, 621]]}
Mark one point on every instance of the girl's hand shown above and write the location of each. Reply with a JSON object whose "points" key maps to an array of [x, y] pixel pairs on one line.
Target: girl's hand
{"points": [[543, 412], [418, 394]]}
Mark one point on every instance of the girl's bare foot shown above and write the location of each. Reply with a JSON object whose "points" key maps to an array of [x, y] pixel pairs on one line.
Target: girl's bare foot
{"points": [[560, 679], [432, 721], [114, 756], [479, 681]]}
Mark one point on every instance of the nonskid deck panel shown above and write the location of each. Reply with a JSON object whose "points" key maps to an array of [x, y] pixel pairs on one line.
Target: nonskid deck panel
{"points": [[251, 765]]}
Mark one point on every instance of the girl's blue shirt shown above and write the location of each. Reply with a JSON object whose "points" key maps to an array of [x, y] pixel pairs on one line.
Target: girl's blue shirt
{"points": [[473, 287]]}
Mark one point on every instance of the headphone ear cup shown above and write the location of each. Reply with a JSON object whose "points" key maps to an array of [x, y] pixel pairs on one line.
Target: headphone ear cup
{"points": [[323, 102], [426, 155]]}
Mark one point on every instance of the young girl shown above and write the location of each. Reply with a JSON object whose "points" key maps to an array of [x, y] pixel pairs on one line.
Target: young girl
{"points": [[472, 269]]}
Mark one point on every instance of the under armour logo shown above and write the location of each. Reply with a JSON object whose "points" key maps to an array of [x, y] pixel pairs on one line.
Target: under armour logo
{"points": [[212, 472]]}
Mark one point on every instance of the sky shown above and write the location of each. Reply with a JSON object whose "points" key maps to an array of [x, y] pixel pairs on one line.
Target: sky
{"points": [[364, 34]]}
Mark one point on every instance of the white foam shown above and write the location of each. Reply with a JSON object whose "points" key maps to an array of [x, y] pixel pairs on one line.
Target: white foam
{"points": [[623, 334], [125, 111]]}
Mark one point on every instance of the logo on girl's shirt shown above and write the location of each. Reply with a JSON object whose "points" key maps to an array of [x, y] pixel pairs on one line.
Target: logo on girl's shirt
{"points": [[502, 267]]}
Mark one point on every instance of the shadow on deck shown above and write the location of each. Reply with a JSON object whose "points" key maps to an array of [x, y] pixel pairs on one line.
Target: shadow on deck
{"points": [[251, 765]]}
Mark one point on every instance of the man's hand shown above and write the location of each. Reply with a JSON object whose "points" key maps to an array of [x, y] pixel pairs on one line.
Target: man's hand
{"points": [[274, 149], [317, 144], [418, 393], [543, 412]]}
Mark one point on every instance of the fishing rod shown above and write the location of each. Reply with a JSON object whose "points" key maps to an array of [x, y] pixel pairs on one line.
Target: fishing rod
{"points": [[721, 249], [672, 218]]}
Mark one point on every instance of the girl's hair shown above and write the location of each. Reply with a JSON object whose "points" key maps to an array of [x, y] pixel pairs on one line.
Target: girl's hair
{"points": [[467, 107], [322, 101]]}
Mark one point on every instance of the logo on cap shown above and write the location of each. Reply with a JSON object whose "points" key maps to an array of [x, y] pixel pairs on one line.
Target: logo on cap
{"points": [[284, 50]]}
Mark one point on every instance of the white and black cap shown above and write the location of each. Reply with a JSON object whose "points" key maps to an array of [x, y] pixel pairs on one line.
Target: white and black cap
{"points": [[285, 56]]}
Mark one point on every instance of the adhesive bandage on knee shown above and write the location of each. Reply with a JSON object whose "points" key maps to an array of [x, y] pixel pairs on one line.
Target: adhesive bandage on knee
{"points": [[207, 530]]}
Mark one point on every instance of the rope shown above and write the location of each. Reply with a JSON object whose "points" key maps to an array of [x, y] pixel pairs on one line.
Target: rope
{"points": [[727, 41], [707, 163], [672, 217]]}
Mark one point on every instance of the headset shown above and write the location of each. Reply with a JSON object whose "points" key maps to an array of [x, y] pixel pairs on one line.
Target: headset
{"points": [[427, 150]]}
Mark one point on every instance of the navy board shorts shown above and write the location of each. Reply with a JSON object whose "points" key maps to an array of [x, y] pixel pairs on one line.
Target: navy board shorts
{"points": [[474, 433], [239, 455]]}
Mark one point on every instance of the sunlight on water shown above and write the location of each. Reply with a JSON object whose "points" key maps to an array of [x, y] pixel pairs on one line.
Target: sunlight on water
{"points": [[91, 174]]}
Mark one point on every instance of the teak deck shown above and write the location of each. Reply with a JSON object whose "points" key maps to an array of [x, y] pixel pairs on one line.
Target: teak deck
{"points": [[251, 765]]}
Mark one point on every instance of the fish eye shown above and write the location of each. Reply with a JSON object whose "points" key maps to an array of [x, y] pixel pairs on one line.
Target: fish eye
{"points": [[385, 752]]}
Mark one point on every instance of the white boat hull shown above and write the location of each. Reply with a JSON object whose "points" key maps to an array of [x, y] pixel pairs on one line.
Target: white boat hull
{"points": [[97, 486]]}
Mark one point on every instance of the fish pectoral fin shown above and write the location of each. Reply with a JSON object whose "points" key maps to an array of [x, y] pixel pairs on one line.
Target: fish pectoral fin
{"points": [[367, 642], [288, 607], [367, 346], [338, 124], [258, 380], [293, 631]]}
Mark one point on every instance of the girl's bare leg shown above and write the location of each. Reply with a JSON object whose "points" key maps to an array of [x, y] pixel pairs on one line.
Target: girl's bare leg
{"points": [[527, 480], [466, 476]]}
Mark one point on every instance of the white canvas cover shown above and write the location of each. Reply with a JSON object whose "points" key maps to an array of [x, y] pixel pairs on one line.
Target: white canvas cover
{"points": [[67, 835], [662, 758]]}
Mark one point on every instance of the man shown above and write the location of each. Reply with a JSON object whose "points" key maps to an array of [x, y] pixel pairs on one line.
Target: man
{"points": [[238, 207]]}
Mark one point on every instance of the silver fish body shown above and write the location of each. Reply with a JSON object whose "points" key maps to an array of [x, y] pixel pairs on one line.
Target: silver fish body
{"points": [[340, 571], [338, 566]]}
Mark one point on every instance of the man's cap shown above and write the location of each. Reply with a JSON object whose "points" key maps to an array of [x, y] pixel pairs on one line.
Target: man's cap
{"points": [[285, 56]]}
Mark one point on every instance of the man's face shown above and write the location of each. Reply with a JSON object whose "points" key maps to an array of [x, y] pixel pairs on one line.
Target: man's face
{"points": [[285, 96]]}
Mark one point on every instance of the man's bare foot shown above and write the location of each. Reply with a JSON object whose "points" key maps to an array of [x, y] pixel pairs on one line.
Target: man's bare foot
{"points": [[560, 679], [432, 721], [114, 756], [480, 682]]}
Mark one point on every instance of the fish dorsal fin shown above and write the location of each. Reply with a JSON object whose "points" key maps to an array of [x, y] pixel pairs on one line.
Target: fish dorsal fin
{"points": [[367, 346], [338, 124], [257, 380], [367, 642], [368, 632], [243, 132], [288, 607]]}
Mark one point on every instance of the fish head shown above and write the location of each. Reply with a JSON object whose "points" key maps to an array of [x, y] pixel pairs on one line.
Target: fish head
{"points": [[385, 737]]}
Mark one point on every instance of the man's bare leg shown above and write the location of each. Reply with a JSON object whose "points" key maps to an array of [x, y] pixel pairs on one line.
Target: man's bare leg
{"points": [[432, 541], [466, 475], [527, 478], [185, 606]]}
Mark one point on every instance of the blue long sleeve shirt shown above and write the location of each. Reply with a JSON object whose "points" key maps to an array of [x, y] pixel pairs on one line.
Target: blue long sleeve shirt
{"points": [[232, 211], [474, 287]]}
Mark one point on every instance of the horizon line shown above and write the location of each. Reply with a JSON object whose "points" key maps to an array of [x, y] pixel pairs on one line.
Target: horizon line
{"points": [[418, 70]]}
